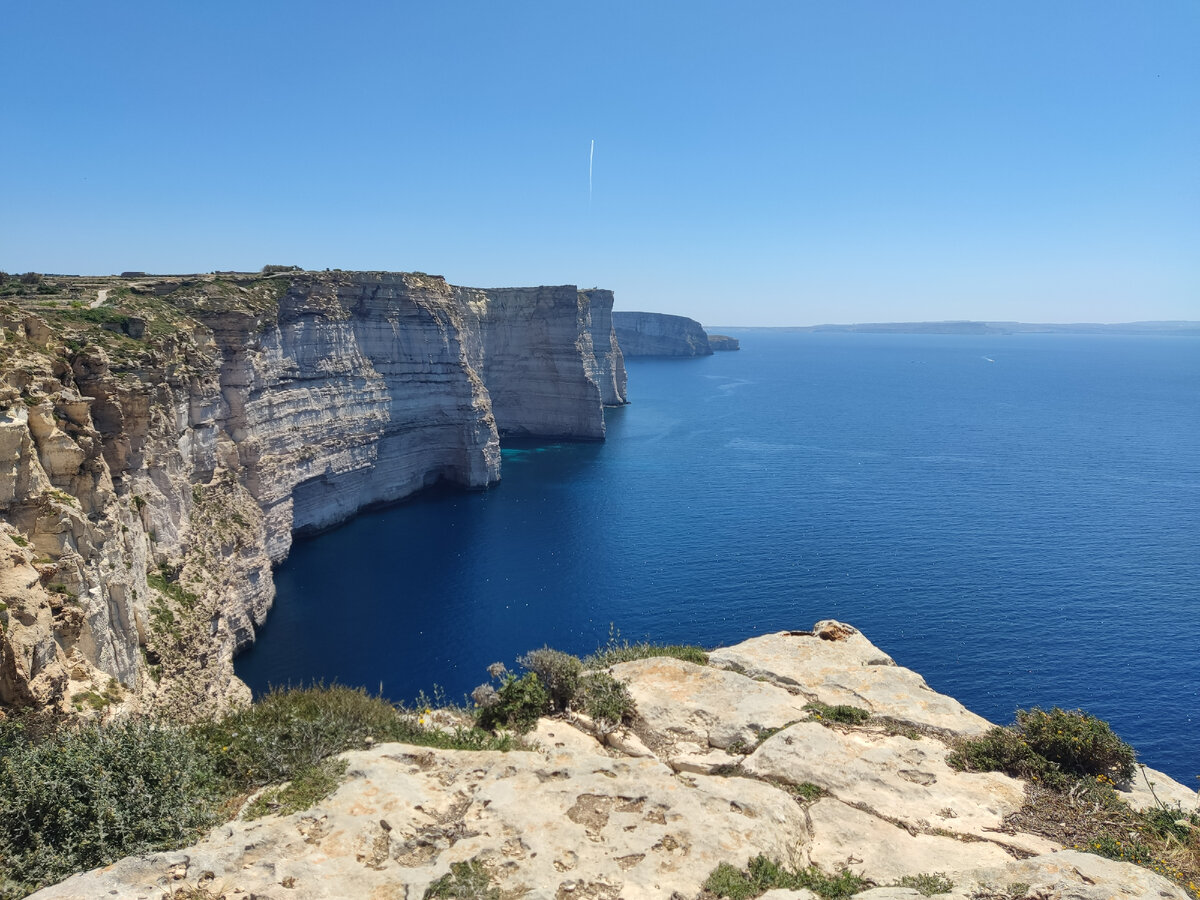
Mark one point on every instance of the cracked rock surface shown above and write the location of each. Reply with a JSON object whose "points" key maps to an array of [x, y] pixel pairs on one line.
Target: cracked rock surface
{"points": [[583, 818]]}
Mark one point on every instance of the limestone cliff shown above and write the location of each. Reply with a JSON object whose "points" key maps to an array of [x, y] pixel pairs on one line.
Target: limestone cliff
{"points": [[723, 762], [721, 342], [609, 371], [161, 439], [658, 334]]}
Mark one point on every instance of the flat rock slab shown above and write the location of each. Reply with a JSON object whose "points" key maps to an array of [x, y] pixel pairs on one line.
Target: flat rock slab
{"points": [[848, 838], [837, 665], [543, 826], [1072, 875], [894, 776], [680, 701]]}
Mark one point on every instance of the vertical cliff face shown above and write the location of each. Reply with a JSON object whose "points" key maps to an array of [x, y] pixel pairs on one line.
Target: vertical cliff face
{"points": [[609, 369], [657, 334], [537, 360], [158, 452]]}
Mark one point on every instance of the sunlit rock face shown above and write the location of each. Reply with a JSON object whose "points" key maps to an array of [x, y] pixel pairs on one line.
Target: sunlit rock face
{"points": [[720, 764], [609, 369], [245, 410], [658, 334]]}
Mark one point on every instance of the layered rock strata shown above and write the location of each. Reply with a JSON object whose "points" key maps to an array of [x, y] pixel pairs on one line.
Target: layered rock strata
{"points": [[609, 369], [162, 439], [658, 334], [723, 763]]}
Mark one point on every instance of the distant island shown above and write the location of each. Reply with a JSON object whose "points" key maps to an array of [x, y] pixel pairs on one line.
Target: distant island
{"points": [[967, 327]]}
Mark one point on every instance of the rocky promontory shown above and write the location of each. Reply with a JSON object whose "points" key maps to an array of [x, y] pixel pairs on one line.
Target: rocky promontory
{"points": [[811, 750], [658, 334], [723, 342], [163, 437]]}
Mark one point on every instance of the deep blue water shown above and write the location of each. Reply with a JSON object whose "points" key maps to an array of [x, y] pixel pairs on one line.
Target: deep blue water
{"points": [[1015, 517]]}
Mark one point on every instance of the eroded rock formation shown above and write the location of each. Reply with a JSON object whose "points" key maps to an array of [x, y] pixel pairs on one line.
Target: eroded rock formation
{"points": [[162, 439], [658, 334], [723, 763]]}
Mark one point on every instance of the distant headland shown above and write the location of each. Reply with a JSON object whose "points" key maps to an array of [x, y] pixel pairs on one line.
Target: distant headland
{"points": [[971, 327]]}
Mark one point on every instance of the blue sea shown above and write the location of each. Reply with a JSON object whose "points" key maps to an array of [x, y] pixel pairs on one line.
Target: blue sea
{"points": [[1015, 517]]}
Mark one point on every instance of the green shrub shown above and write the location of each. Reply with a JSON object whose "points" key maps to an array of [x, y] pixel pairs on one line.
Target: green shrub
{"points": [[605, 699], [559, 673], [465, 881], [842, 715], [518, 704], [289, 731], [308, 787], [927, 883], [84, 797], [1002, 750], [763, 874], [1077, 742]]}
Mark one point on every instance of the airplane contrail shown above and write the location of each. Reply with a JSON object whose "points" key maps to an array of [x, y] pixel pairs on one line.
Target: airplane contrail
{"points": [[591, 156]]}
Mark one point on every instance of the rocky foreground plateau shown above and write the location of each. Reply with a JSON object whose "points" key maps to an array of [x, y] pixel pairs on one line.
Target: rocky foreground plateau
{"points": [[723, 762]]}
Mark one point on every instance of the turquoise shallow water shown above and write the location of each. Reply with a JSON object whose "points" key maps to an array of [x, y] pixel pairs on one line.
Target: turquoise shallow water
{"points": [[1015, 517]]}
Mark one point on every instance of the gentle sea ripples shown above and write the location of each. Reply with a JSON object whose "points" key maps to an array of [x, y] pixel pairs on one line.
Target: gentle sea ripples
{"points": [[1024, 531]]}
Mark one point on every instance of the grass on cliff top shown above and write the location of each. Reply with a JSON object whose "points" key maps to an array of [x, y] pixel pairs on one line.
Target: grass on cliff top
{"points": [[619, 650], [80, 796]]}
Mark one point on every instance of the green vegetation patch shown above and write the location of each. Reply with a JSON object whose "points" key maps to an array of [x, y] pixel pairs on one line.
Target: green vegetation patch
{"points": [[1072, 760], [927, 883], [85, 796], [762, 874], [618, 650], [554, 682], [838, 715], [466, 880], [74, 798]]}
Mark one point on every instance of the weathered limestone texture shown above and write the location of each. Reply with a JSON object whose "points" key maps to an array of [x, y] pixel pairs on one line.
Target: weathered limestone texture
{"points": [[657, 334], [609, 370], [158, 452], [537, 362], [721, 342], [621, 819]]}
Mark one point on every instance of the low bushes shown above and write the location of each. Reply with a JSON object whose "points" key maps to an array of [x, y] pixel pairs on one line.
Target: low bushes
{"points": [[79, 797], [763, 874], [554, 682], [86, 796], [1049, 745]]}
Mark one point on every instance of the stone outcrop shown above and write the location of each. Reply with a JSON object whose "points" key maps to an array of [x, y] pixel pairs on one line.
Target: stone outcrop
{"points": [[723, 342], [161, 443], [658, 334], [633, 815]]}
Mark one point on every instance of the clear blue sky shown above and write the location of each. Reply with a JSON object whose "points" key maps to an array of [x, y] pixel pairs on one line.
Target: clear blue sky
{"points": [[771, 163]]}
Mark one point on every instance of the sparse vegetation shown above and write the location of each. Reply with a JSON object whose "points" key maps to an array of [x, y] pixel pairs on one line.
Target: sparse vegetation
{"points": [[559, 673], [839, 715], [762, 874], [1047, 746], [617, 650], [465, 881], [605, 699], [927, 883], [1072, 761], [554, 682]]}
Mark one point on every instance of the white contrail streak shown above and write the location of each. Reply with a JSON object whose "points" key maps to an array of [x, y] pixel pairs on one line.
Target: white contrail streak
{"points": [[591, 156]]}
